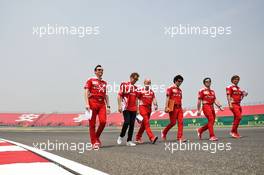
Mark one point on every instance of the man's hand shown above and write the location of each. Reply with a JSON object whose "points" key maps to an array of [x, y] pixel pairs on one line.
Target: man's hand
{"points": [[137, 111], [221, 108], [245, 93], [230, 106], [139, 122], [120, 109], [198, 113], [108, 110], [88, 107], [155, 107], [167, 110]]}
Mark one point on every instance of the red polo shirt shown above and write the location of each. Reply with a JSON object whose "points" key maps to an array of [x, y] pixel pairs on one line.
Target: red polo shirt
{"points": [[97, 88], [145, 96], [235, 93], [175, 93], [207, 96], [128, 93]]}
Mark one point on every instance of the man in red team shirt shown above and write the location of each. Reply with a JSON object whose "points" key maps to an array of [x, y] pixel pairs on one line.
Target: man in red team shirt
{"points": [[234, 97], [174, 93], [146, 97], [96, 100], [127, 103], [207, 98]]}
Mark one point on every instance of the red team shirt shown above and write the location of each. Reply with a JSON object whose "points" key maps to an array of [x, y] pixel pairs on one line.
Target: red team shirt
{"points": [[235, 93], [207, 96], [97, 88], [175, 94], [145, 97], [128, 93]]}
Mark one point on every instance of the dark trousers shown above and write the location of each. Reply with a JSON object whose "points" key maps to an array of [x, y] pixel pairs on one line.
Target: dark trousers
{"points": [[129, 121]]}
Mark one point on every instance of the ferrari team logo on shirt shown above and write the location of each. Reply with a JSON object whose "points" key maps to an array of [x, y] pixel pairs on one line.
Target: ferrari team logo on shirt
{"points": [[207, 95], [94, 82], [235, 93]]}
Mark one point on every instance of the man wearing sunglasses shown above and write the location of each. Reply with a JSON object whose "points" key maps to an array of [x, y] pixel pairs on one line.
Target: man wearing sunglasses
{"points": [[207, 98], [234, 98], [127, 103], [96, 100], [174, 97]]}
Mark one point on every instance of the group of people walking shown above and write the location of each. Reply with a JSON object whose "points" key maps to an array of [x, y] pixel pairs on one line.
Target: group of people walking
{"points": [[133, 101]]}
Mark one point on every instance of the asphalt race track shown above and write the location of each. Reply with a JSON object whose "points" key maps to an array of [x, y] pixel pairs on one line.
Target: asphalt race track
{"points": [[227, 156]]}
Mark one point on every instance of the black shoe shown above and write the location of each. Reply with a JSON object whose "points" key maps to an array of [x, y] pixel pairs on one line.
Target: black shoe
{"points": [[154, 140]]}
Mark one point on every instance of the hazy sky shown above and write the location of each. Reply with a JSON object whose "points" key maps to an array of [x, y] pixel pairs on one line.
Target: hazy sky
{"points": [[48, 74]]}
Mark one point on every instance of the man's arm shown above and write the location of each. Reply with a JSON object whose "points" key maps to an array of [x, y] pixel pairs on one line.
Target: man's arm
{"points": [[107, 104], [86, 96], [137, 105], [167, 104], [228, 96], [244, 94], [229, 100], [155, 103], [119, 103], [107, 100], [119, 98], [218, 104], [199, 105]]}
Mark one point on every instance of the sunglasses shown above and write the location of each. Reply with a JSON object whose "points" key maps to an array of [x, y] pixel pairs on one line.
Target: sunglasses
{"points": [[100, 69], [136, 79]]}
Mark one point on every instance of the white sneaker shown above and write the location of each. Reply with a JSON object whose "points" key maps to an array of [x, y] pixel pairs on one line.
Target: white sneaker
{"points": [[130, 143], [119, 140]]}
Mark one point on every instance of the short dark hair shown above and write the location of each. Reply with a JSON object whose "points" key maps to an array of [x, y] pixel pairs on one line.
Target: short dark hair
{"points": [[234, 77], [97, 67], [205, 79], [177, 77], [132, 75]]}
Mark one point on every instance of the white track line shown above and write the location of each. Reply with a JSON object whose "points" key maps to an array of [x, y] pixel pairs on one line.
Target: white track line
{"points": [[43, 168], [74, 166], [11, 148]]}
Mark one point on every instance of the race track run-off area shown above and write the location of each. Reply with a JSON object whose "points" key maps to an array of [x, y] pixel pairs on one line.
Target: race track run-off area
{"points": [[227, 156]]}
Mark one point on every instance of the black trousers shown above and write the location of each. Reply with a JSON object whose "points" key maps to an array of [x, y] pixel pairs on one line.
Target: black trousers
{"points": [[129, 121]]}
